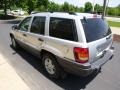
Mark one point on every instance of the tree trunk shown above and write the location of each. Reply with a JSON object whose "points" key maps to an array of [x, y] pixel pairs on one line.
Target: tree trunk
{"points": [[5, 7]]}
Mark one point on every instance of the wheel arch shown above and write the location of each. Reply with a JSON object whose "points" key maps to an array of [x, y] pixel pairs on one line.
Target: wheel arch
{"points": [[51, 50], [43, 51]]}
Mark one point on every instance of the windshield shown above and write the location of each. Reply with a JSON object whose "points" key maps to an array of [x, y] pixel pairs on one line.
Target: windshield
{"points": [[95, 28]]}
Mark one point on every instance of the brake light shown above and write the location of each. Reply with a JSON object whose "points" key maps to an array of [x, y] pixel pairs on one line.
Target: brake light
{"points": [[81, 54]]}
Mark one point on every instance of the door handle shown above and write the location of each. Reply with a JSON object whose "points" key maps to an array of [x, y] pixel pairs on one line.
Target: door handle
{"points": [[40, 39], [25, 35]]}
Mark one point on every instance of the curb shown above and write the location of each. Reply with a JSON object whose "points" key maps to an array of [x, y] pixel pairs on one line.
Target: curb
{"points": [[9, 79]]}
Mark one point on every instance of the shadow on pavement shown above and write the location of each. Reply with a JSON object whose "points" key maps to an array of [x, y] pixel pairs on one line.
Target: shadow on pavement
{"points": [[72, 82]]}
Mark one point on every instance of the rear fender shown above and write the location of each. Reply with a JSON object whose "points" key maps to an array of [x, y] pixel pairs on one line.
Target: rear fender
{"points": [[52, 50]]}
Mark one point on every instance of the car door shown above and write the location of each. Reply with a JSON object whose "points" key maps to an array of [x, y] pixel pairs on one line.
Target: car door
{"points": [[62, 36], [36, 35], [23, 29]]}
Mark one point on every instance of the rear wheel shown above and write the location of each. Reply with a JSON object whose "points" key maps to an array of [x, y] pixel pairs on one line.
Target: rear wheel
{"points": [[51, 66]]}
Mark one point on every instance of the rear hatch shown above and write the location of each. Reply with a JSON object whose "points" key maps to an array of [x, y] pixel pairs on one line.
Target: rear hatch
{"points": [[98, 36]]}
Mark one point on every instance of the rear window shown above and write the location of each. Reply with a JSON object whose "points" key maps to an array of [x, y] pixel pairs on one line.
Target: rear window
{"points": [[95, 28]]}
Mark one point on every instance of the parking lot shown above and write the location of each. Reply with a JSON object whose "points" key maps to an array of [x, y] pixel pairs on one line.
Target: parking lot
{"points": [[29, 68]]}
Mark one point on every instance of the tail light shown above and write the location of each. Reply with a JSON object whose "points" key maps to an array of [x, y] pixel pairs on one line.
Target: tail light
{"points": [[81, 54]]}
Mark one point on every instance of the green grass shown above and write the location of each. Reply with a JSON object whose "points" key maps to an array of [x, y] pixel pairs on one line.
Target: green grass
{"points": [[114, 24]]}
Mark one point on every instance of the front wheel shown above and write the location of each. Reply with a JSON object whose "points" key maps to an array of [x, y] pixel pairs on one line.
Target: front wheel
{"points": [[14, 43]]}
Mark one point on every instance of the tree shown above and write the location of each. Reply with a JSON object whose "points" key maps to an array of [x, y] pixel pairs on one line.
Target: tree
{"points": [[5, 4], [42, 4], [65, 7], [1, 4], [21, 4], [30, 5], [27, 5], [88, 7], [81, 9], [98, 8], [72, 8], [5, 7], [114, 11], [111, 11], [118, 9], [53, 7]]}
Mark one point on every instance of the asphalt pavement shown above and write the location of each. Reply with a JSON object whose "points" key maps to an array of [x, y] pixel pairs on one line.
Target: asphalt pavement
{"points": [[30, 70]]}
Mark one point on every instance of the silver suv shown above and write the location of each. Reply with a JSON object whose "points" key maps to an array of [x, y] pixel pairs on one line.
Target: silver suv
{"points": [[77, 43]]}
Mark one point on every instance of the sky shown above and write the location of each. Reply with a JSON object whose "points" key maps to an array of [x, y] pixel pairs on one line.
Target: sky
{"points": [[80, 3]]}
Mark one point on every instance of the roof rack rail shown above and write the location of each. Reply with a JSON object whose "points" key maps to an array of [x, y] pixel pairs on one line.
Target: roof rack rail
{"points": [[72, 13], [34, 12]]}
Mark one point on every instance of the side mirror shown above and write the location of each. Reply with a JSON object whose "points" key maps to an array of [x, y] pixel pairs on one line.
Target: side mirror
{"points": [[14, 27]]}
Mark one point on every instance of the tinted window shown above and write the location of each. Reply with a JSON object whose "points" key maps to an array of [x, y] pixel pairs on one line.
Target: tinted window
{"points": [[95, 28], [63, 28], [25, 24], [38, 25]]}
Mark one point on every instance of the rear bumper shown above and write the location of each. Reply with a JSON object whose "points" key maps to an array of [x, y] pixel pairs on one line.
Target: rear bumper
{"points": [[100, 62], [84, 69]]}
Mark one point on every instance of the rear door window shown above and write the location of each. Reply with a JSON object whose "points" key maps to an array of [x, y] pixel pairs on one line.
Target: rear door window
{"points": [[63, 28], [95, 28]]}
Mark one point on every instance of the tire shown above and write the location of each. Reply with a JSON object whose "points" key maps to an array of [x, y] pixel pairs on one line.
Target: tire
{"points": [[14, 43], [51, 66]]}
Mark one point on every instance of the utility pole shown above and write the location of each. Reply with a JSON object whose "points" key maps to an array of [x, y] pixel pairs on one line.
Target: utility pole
{"points": [[104, 9], [107, 6], [93, 4]]}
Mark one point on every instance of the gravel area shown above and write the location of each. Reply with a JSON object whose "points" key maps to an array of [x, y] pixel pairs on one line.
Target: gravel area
{"points": [[116, 37]]}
